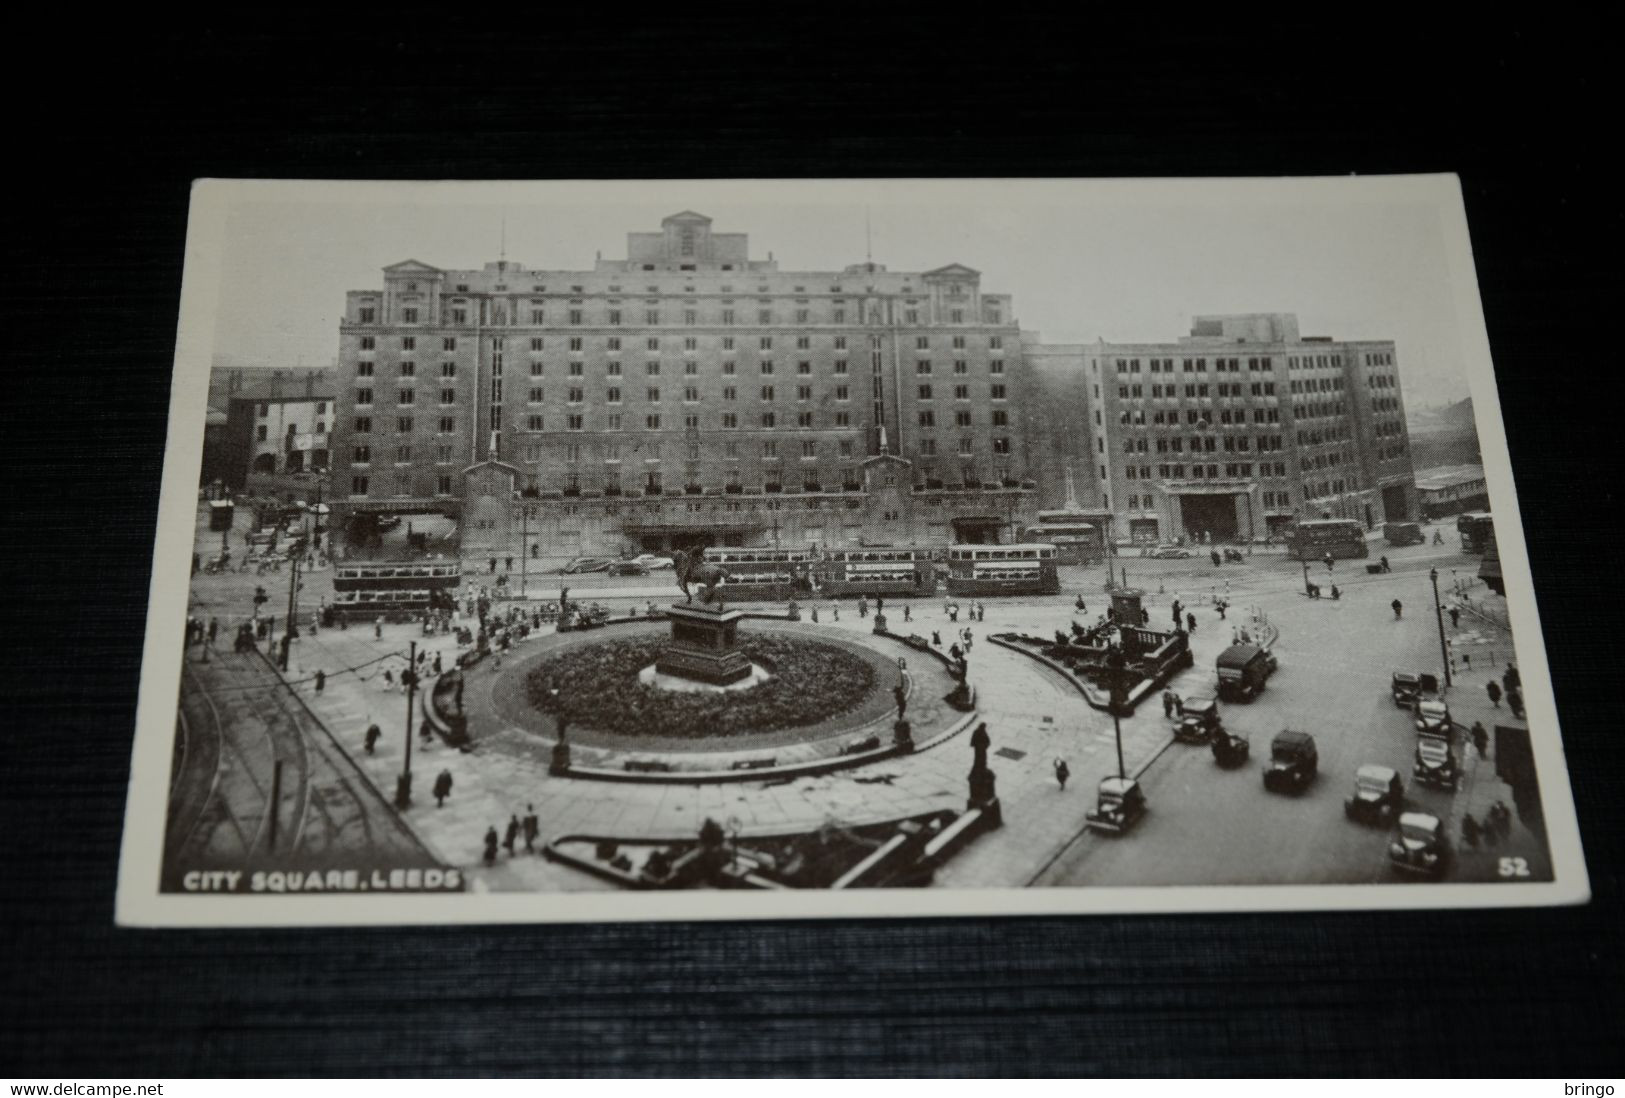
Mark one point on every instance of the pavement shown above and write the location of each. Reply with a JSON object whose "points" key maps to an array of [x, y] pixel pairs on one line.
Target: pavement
{"points": [[1206, 825]]}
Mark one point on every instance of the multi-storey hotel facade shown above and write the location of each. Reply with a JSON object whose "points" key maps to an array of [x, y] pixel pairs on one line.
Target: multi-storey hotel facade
{"points": [[691, 395], [1243, 427], [686, 395]]}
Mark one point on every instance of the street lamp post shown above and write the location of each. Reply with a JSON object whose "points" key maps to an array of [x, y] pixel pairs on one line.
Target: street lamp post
{"points": [[1305, 564], [524, 547], [403, 784], [1438, 613], [1116, 665]]}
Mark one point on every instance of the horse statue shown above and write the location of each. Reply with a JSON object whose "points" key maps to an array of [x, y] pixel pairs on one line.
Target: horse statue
{"points": [[692, 567]]}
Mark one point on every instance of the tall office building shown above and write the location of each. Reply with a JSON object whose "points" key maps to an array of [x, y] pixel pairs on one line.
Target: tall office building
{"points": [[1244, 426], [685, 395]]}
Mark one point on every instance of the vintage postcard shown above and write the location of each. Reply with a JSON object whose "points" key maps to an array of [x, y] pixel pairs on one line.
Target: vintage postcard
{"points": [[741, 549]]}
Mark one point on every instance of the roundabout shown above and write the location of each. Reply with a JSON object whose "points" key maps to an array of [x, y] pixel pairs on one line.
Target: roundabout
{"points": [[813, 698]]}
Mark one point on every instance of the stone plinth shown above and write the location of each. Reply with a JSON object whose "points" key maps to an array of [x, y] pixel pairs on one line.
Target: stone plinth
{"points": [[704, 646], [1127, 606]]}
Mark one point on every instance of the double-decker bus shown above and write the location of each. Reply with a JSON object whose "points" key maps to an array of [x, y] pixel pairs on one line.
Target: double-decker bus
{"points": [[366, 589], [1076, 538], [764, 575], [1477, 530], [902, 570], [1315, 539], [1025, 569]]}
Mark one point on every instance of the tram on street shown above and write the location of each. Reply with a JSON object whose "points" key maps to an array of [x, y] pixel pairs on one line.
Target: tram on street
{"points": [[764, 575], [1477, 530], [1077, 540], [976, 571], [1315, 539], [889, 570], [366, 589]]}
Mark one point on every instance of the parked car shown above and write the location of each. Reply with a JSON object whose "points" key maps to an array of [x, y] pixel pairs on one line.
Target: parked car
{"points": [[1243, 669], [1169, 552], [1403, 533], [1379, 795], [1432, 716], [1408, 688], [654, 562], [1198, 720], [1119, 804], [1293, 762], [587, 564], [1435, 763], [628, 568], [1420, 845]]}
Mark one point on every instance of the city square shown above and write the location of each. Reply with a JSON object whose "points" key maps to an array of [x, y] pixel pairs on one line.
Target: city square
{"points": [[861, 583]]}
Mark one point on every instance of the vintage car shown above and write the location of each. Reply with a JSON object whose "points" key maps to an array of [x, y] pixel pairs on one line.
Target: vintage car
{"points": [[1293, 762], [628, 568], [587, 564], [1432, 716], [1198, 720], [1420, 845], [1435, 764], [1379, 795], [654, 562], [1230, 748], [1169, 552], [1403, 533], [1242, 671], [1119, 803]]}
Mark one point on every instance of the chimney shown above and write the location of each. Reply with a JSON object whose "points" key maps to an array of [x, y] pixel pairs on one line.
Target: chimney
{"points": [[276, 383]]}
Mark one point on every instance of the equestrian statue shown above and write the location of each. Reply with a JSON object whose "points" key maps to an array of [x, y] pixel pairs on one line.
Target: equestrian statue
{"points": [[692, 567]]}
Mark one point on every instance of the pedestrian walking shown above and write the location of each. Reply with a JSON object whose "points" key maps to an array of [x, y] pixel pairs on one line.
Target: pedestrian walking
{"points": [[1437, 539], [378, 628], [511, 835], [321, 680], [1515, 702], [1467, 660], [1223, 606], [815, 615], [1494, 691], [1469, 830], [493, 566], [1510, 680], [371, 742], [907, 616], [510, 564], [389, 679], [1383, 562], [836, 612], [214, 628], [1481, 739], [1190, 623], [442, 790], [1062, 773], [1328, 562], [532, 829], [936, 639], [1455, 616], [1215, 555], [1167, 704], [436, 671], [490, 846], [954, 652], [1399, 608]]}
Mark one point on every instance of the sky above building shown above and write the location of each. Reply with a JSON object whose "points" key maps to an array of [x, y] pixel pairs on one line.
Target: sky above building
{"points": [[1114, 260]]}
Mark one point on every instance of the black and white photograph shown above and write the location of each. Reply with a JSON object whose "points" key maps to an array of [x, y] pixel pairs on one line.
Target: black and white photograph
{"points": [[743, 549]]}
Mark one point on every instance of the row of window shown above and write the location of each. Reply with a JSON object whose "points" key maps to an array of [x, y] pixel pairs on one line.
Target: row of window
{"points": [[1195, 365], [1230, 417], [1171, 392], [457, 315], [1203, 444], [1318, 385], [766, 368], [265, 409]]}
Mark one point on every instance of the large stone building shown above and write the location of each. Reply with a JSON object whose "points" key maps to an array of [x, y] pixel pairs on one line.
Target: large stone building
{"points": [[1242, 427], [685, 395], [273, 427]]}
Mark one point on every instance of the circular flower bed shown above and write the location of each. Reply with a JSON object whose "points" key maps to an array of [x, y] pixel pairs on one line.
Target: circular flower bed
{"points": [[598, 687]]}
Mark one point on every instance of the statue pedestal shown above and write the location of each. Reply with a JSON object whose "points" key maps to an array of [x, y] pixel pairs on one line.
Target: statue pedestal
{"points": [[704, 646]]}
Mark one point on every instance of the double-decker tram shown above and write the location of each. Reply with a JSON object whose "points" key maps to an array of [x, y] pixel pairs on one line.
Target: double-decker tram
{"points": [[764, 575], [367, 589], [1477, 530], [982, 570], [908, 570], [1315, 539], [1076, 537]]}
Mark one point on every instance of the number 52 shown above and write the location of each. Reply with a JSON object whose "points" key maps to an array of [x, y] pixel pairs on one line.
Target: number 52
{"points": [[1513, 867]]}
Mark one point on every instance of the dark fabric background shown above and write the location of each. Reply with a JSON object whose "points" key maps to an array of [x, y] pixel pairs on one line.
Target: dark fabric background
{"points": [[106, 130]]}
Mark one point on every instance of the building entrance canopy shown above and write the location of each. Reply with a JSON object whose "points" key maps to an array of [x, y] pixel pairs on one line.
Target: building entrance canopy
{"points": [[1208, 487]]}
